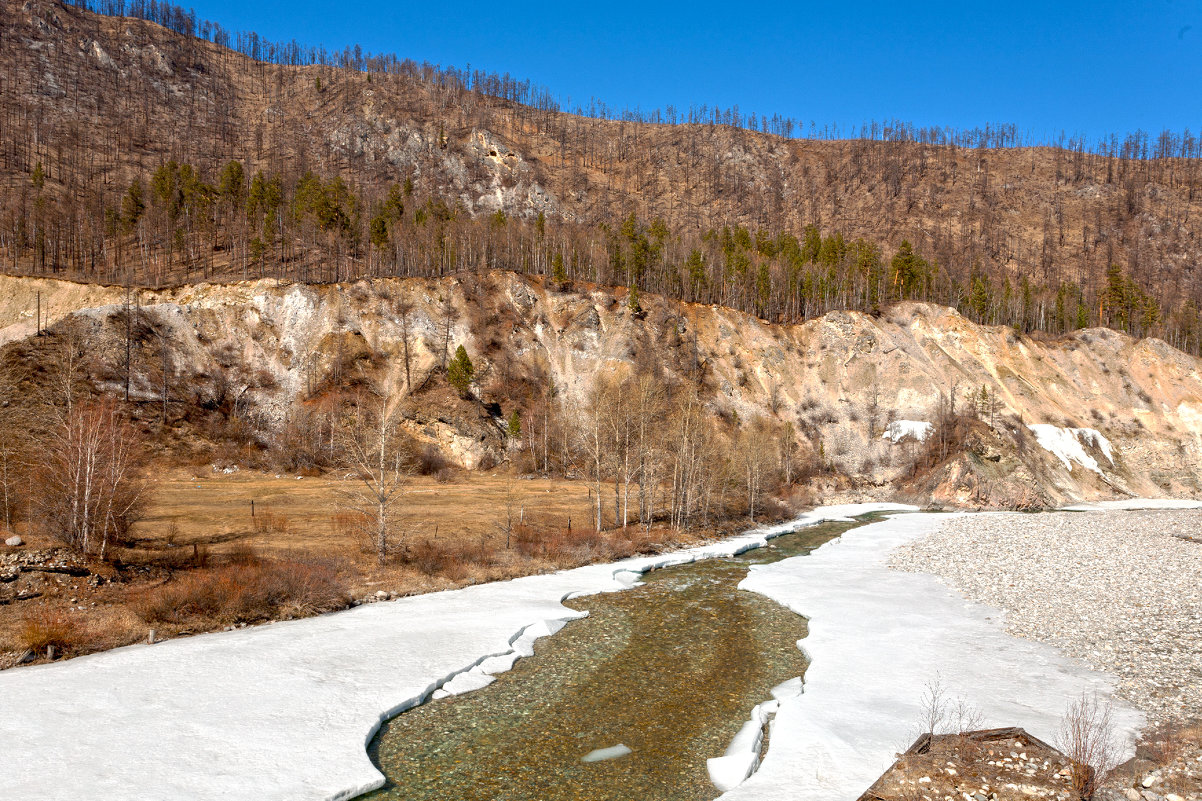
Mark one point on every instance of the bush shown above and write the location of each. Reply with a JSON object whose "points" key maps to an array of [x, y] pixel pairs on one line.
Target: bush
{"points": [[43, 629], [1088, 739], [453, 561], [431, 461], [578, 546], [245, 590]]}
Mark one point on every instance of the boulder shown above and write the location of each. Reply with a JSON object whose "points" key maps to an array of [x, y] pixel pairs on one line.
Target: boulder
{"points": [[14, 541]]}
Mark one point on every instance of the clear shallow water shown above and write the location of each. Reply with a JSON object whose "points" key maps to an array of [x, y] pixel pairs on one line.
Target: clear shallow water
{"points": [[670, 669]]}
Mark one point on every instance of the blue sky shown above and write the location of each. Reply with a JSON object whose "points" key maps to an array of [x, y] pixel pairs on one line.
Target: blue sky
{"points": [[1088, 68]]}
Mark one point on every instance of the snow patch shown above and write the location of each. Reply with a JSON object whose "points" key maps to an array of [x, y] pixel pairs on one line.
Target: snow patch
{"points": [[743, 754], [1131, 504], [898, 430], [1066, 445]]}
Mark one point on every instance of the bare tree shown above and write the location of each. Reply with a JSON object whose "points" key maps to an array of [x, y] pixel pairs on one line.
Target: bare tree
{"points": [[67, 363], [649, 405], [756, 453], [90, 488], [505, 528], [404, 311], [591, 436], [450, 315], [14, 446], [373, 453], [933, 706]]}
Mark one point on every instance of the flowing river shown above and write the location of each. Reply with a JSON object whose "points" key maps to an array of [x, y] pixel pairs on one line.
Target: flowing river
{"points": [[669, 669]]}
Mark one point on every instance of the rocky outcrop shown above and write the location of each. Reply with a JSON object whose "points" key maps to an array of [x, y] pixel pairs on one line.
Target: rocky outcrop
{"points": [[840, 379]]}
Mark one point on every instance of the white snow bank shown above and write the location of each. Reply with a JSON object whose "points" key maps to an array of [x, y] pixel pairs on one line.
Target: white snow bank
{"points": [[877, 636], [742, 757], [1132, 504], [284, 711], [1065, 444], [900, 429]]}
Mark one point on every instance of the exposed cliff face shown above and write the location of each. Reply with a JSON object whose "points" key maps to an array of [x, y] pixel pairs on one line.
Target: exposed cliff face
{"points": [[840, 379]]}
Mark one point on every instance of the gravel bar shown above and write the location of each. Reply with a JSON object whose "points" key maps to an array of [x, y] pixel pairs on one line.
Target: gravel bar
{"points": [[1121, 591]]}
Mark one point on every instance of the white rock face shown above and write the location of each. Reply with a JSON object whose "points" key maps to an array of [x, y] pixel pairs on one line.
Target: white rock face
{"points": [[1066, 445]]}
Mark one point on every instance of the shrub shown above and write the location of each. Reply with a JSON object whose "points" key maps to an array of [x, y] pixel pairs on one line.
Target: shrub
{"points": [[245, 590], [450, 560], [1087, 738]]}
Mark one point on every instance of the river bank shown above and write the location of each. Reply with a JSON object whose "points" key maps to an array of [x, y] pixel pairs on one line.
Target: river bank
{"points": [[1119, 590], [878, 637]]}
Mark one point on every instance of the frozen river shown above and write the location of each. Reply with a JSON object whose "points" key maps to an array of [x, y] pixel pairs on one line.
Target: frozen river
{"points": [[285, 711]]}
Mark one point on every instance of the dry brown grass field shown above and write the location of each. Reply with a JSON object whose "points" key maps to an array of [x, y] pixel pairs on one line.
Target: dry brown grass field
{"points": [[294, 513], [199, 561]]}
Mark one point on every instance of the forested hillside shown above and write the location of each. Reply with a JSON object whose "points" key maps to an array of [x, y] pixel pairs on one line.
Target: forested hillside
{"points": [[133, 152]]}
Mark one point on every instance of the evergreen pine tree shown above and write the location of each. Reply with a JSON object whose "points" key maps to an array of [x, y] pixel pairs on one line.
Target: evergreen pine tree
{"points": [[632, 300], [558, 274], [460, 371]]}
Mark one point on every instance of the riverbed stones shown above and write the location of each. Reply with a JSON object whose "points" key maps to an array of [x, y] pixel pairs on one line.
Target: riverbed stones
{"points": [[1119, 590]]}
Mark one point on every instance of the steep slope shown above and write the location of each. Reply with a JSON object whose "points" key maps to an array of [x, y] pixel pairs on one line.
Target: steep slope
{"points": [[838, 380], [100, 101]]}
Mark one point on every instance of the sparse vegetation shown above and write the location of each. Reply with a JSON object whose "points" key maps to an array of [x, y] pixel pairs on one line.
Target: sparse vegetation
{"points": [[245, 589]]}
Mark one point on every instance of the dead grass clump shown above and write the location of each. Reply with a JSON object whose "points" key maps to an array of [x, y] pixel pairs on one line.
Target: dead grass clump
{"points": [[268, 521], [247, 589], [1166, 743], [44, 629]]}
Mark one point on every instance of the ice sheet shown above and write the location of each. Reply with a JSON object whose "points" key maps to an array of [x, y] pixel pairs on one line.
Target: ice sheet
{"points": [[877, 636]]}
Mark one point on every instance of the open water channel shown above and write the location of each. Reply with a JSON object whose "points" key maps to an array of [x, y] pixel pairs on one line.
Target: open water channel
{"points": [[670, 669]]}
